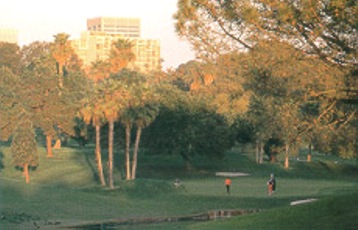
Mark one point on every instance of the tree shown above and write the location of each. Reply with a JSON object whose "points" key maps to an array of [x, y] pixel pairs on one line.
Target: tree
{"points": [[140, 110], [10, 56], [61, 52], [261, 114], [9, 103], [92, 114], [289, 83], [39, 87], [127, 121], [131, 80], [113, 99], [99, 70], [218, 84], [323, 28], [53, 109], [319, 30], [24, 147], [188, 133], [145, 116], [121, 55], [37, 52]]}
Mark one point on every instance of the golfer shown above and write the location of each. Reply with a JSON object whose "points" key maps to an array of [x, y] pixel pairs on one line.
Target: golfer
{"points": [[271, 184], [228, 184]]}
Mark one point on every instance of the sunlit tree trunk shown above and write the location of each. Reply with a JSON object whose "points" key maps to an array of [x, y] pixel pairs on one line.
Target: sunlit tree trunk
{"points": [[286, 158], [26, 173], [57, 144], [99, 156], [127, 152], [60, 74], [309, 156], [49, 145], [135, 152], [110, 153]]}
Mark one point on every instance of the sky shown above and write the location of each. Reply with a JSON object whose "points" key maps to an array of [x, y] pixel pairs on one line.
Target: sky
{"points": [[39, 20]]}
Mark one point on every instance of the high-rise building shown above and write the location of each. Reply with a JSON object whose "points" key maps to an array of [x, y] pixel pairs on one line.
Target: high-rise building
{"points": [[95, 43], [9, 35], [128, 27]]}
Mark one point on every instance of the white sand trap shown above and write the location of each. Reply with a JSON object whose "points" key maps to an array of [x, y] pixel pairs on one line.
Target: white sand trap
{"points": [[231, 174], [303, 201]]}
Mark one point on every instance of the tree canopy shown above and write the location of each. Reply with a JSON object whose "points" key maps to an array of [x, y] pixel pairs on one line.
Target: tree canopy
{"points": [[324, 28]]}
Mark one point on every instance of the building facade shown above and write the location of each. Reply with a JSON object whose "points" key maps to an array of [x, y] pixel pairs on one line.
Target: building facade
{"points": [[9, 35], [128, 27], [95, 43]]}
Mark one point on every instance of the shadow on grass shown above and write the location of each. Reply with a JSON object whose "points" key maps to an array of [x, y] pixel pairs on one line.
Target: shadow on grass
{"points": [[1, 160]]}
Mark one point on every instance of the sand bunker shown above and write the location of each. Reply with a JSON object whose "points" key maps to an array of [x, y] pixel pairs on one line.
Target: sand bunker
{"points": [[303, 201], [231, 174]]}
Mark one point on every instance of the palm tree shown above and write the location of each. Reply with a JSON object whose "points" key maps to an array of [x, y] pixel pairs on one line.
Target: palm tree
{"points": [[113, 100], [99, 70], [111, 116], [141, 110], [61, 52], [92, 113], [145, 116], [121, 55], [127, 121]]}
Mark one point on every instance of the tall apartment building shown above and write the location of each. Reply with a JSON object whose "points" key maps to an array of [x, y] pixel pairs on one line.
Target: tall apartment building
{"points": [[93, 46], [128, 27], [95, 43], [9, 35]]}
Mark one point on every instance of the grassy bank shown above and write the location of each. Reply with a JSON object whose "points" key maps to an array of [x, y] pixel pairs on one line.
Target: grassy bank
{"points": [[63, 192]]}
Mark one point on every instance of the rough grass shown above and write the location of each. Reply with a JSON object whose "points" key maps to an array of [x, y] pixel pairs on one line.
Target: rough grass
{"points": [[64, 191]]}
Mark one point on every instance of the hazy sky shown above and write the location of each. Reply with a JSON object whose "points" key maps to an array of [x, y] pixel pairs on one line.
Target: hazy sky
{"points": [[39, 20]]}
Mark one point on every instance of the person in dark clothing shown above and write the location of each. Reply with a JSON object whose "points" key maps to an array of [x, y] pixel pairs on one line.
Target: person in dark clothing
{"points": [[271, 184]]}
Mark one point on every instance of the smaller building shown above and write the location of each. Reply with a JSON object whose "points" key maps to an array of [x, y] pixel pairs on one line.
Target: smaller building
{"points": [[9, 35]]}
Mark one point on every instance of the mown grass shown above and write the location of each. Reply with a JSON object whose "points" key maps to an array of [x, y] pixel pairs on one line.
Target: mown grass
{"points": [[63, 189], [336, 212]]}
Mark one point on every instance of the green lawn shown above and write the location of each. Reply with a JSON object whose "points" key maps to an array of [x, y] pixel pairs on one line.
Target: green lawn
{"points": [[63, 192]]}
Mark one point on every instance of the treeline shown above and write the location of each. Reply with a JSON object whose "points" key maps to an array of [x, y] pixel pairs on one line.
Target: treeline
{"points": [[275, 94]]}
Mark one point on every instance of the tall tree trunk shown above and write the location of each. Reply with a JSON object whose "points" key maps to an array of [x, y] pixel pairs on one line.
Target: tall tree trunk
{"points": [[257, 151], [49, 145], [261, 152], [119, 157], [110, 154], [189, 166], [26, 173], [286, 159], [127, 153], [99, 156], [60, 75], [57, 144], [309, 156], [135, 152]]}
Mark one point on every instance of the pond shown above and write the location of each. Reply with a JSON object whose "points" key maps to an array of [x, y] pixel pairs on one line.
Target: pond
{"points": [[207, 216]]}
